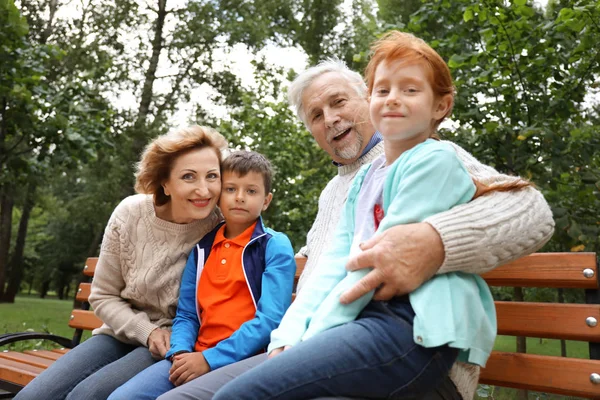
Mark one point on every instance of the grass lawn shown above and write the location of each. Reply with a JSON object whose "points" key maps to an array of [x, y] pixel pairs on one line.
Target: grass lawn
{"points": [[52, 315], [36, 315]]}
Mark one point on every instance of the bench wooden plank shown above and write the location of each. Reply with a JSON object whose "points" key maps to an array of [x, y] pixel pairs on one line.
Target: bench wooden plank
{"points": [[90, 266], [83, 292], [300, 263], [26, 359], [548, 320], [86, 320], [553, 270], [60, 351], [50, 355], [18, 373], [567, 376]]}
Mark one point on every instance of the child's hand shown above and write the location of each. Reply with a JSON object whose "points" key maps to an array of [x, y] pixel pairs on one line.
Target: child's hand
{"points": [[278, 351], [187, 366]]}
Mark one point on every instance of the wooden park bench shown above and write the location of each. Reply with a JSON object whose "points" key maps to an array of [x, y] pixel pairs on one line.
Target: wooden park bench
{"points": [[17, 369], [551, 374]]}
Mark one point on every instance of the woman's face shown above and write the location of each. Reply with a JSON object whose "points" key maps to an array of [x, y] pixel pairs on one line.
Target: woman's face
{"points": [[194, 185]]}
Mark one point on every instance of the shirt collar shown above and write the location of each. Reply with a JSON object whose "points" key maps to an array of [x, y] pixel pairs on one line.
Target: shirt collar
{"points": [[376, 138], [240, 240]]}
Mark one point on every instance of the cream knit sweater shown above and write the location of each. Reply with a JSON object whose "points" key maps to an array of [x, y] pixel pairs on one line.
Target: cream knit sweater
{"points": [[478, 236], [136, 284]]}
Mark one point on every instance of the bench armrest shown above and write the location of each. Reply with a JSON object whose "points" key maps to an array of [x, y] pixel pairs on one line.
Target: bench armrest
{"points": [[20, 336]]}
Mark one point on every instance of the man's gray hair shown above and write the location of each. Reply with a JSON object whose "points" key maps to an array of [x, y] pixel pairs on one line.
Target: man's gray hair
{"points": [[306, 78]]}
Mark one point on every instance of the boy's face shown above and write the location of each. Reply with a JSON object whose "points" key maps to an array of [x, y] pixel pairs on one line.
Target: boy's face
{"points": [[402, 103], [243, 198]]}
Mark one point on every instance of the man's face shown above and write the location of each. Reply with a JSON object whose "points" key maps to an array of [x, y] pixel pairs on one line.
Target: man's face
{"points": [[337, 117]]}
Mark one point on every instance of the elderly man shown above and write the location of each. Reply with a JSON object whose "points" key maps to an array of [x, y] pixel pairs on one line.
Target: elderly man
{"points": [[476, 237]]}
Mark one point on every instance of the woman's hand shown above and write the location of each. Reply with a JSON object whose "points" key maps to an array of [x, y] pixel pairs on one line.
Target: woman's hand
{"points": [[159, 342], [187, 366], [278, 351]]}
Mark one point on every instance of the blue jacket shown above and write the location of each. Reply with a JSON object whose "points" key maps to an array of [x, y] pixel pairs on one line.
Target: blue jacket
{"points": [[269, 268]]}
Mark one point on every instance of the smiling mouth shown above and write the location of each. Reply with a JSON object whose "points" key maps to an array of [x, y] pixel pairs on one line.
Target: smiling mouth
{"points": [[200, 203], [341, 135]]}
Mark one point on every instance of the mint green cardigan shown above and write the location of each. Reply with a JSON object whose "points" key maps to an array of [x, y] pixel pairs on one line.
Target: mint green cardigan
{"points": [[455, 308]]}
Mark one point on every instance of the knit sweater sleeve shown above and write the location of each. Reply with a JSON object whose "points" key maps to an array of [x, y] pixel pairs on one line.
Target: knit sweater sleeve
{"points": [[108, 283], [493, 229]]}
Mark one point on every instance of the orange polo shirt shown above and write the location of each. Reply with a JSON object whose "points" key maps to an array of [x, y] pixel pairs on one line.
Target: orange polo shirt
{"points": [[223, 296]]}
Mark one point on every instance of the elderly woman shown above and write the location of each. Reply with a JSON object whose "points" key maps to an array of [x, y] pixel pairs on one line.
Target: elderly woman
{"points": [[144, 250]]}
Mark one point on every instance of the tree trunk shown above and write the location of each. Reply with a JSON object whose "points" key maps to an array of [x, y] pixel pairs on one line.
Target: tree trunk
{"points": [[17, 264], [521, 341], [44, 288], [6, 208], [149, 78], [60, 292]]}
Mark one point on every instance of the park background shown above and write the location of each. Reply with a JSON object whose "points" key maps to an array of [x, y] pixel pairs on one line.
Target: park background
{"points": [[85, 84]]}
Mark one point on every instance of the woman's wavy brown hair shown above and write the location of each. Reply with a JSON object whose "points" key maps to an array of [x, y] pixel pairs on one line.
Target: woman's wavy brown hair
{"points": [[158, 157]]}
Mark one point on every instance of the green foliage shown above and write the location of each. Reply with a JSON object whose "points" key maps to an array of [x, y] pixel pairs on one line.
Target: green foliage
{"points": [[526, 80], [522, 78]]}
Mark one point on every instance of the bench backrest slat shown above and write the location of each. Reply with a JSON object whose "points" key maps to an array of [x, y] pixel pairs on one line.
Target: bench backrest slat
{"points": [[552, 270], [567, 376], [86, 320], [548, 320], [83, 293], [90, 266]]}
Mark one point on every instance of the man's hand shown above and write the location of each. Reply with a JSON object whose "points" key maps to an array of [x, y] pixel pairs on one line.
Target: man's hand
{"points": [[187, 366], [278, 351], [402, 257], [159, 342]]}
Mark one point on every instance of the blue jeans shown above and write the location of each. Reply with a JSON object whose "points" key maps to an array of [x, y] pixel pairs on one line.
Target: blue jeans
{"points": [[205, 386], [91, 371], [147, 385], [374, 356]]}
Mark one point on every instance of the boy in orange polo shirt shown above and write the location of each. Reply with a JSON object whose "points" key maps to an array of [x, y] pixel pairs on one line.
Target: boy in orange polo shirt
{"points": [[236, 286]]}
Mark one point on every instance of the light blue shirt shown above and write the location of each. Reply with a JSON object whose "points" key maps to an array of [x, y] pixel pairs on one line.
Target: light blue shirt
{"points": [[455, 308]]}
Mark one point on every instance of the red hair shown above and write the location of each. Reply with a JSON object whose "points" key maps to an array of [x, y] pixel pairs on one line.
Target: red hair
{"points": [[402, 46]]}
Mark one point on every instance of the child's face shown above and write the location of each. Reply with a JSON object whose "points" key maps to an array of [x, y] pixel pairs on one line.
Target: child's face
{"points": [[243, 198], [402, 103]]}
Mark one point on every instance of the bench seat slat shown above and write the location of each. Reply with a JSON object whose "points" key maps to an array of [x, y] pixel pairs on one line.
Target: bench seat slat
{"points": [[47, 354], [83, 293], [548, 320], [60, 351], [567, 376], [86, 320], [18, 373], [552, 270], [26, 359]]}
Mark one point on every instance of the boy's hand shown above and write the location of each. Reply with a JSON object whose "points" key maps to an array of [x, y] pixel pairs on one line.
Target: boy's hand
{"points": [[159, 342], [278, 351], [187, 366]]}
